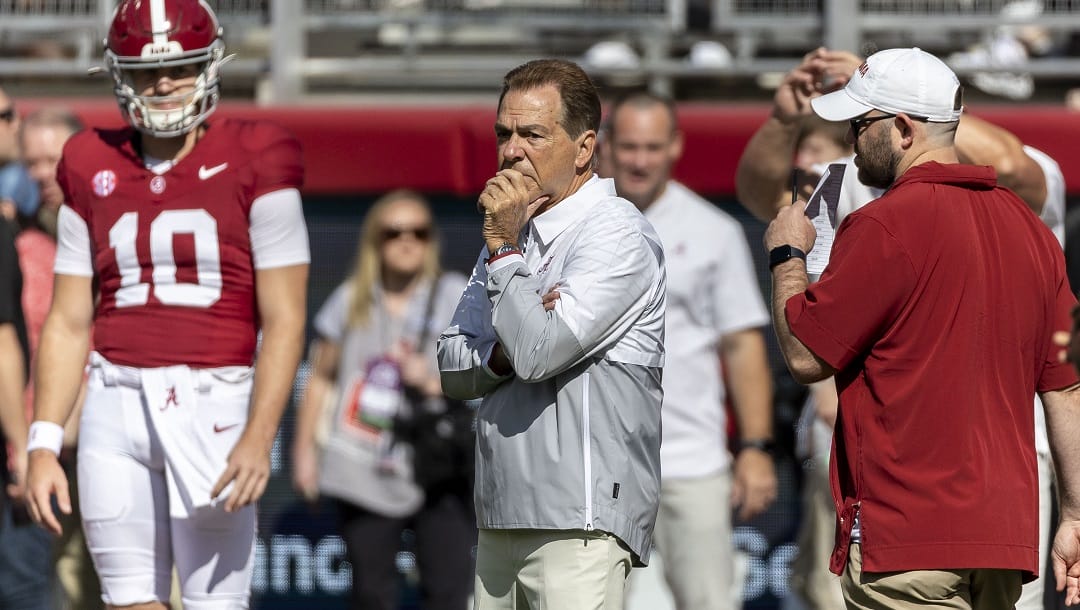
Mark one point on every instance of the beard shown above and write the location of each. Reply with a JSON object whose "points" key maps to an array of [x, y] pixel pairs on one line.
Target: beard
{"points": [[876, 161]]}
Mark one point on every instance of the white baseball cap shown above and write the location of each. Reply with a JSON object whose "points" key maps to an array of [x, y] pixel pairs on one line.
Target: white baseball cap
{"points": [[910, 81]]}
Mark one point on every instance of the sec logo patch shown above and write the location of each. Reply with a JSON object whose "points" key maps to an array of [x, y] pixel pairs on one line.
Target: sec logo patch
{"points": [[104, 183]]}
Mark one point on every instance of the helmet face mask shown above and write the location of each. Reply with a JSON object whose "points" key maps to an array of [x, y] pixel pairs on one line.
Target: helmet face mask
{"points": [[164, 36]]}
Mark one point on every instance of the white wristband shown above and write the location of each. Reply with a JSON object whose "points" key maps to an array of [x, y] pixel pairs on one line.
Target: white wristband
{"points": [[46, 435]]}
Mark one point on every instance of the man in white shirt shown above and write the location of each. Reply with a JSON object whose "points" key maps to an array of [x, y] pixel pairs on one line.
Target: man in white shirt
{"points": [[561, 332], [714, 320]]}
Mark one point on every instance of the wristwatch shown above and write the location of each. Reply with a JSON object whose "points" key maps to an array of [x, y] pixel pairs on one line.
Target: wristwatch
{"points": [[505, 248], [784, 253], [761, 444]]}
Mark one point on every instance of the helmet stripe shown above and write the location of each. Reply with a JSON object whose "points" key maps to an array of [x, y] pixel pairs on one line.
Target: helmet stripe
{"points": [[159, 25]]}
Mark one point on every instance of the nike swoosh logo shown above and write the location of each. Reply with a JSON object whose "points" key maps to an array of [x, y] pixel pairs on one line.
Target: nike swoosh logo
{"points": [[206, 173], [218, 429]]}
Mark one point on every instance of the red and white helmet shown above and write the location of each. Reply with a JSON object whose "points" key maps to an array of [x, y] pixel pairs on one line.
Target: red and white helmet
{"points": [[151, 34]]}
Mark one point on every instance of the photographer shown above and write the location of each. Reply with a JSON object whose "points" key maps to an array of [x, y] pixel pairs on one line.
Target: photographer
{"points": [[374, 368]]}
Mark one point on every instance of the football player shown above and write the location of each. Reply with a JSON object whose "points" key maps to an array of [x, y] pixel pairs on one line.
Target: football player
{"points": [[182, 237]]}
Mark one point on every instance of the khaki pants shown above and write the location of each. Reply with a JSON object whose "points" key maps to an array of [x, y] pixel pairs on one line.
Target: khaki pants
{"points": [[550, 570], [810, 576], [693, 537], [968, 589]]}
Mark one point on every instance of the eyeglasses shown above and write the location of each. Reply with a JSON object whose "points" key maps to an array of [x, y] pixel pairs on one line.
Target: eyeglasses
{"points": [[8, 115], [418, 233], [858, 122]]}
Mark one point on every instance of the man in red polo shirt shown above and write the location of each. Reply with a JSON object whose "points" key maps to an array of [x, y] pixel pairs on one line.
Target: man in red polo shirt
{"points": [[935, 314]]}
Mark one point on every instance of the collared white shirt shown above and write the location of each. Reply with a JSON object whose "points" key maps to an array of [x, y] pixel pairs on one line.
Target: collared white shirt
{"points": [[571, 439], [562, 231], [711, 291]]}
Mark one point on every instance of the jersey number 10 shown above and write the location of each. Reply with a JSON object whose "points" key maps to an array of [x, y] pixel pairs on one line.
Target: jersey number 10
{"points": [[201, 226]]}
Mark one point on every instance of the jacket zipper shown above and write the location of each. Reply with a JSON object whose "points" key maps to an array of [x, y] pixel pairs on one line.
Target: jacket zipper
{"points": [[586, 445]]}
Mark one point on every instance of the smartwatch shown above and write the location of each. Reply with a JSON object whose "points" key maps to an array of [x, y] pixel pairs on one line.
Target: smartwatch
{"points": [[784, 253]]}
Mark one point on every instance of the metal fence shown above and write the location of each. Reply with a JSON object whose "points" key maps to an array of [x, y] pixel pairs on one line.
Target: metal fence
{"points": [[290, 48]]}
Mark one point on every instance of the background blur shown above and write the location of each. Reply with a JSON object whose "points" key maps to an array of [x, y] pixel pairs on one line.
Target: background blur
{"points": [[401, 93]]}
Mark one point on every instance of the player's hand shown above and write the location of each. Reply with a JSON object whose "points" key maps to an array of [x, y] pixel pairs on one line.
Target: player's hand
{"points": [[44, 479], [1065, 556], [508, 201], [792, 227], [248, 469], [305, 470], [753, 486]]}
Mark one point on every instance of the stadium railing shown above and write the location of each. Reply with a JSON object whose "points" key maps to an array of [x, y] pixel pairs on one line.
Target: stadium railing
{"points": [[292, 48]]}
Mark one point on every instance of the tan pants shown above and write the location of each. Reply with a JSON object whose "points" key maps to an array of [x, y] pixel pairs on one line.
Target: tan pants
{"points": [[969, 589], [818, 588], [550, 570], [693, 536]]}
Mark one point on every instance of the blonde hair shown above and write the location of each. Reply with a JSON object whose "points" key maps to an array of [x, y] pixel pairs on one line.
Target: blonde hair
{"points": [[367, 272]]}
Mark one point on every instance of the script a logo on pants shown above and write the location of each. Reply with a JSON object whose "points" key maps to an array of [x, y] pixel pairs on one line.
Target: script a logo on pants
{"points": [[170, 399]]}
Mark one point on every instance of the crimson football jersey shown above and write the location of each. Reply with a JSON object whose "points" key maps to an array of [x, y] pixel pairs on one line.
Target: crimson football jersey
{"points": [[171, 253]]}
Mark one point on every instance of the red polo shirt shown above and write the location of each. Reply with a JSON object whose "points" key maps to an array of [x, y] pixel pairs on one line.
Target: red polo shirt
{"points": [[937, 309]]}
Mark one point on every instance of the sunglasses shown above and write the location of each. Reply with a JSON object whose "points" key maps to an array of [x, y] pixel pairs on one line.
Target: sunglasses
{"points": [[8, 115], [418, 233], [858, 123]]}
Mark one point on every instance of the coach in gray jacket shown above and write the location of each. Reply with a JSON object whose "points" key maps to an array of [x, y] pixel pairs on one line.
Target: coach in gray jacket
{"points": [[561, 332]]}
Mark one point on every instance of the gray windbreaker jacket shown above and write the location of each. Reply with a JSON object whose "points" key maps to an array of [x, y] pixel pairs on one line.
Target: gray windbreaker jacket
{"points": [[572, 439]]}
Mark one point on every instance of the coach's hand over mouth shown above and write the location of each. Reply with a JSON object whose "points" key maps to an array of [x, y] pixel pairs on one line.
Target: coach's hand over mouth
{"points": [[508, 201]]}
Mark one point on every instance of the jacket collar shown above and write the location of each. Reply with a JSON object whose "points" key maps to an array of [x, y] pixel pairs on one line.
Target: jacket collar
{"points": [[568, 212]]}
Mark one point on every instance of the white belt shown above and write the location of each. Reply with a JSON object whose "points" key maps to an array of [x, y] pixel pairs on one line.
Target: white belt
{"points": [[113, 375]]}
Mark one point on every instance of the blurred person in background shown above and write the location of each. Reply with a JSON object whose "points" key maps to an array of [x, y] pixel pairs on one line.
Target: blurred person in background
{"points": [[42, 137], [19, 196], [714, 318], [181, 240], [374, 370], [763, 183], [25, 551], [18, 193]]}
